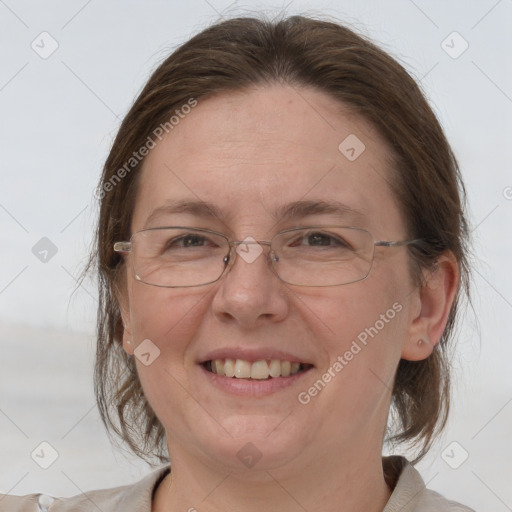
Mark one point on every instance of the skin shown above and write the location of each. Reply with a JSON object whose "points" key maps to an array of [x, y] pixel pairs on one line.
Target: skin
{"points": [[248, 154]]}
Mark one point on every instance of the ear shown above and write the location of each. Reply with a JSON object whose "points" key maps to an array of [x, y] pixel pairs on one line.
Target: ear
{"points": [[431, 306], [128, 343]]}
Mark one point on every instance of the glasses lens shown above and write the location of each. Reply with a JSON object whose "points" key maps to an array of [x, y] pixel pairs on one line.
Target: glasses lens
{"points": [[175, 257], [323, 256], [315, 256]]}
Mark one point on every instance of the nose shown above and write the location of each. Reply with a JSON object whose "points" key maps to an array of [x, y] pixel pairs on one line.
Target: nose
{"points": [[249, 292]]}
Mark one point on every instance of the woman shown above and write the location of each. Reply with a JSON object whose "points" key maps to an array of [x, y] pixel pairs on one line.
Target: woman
{"points": [[281, 249]]}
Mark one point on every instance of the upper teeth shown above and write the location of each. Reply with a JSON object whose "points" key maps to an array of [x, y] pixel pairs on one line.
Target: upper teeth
{"points": [[262, 369]]}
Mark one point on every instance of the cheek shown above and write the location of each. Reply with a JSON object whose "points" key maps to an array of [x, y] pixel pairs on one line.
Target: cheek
{"points": [[165, 324], [169, 317], [355, 312], [362, 332], [360, 328]]}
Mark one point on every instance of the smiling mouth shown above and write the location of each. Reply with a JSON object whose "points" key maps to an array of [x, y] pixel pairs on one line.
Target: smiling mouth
{"points": [[258, 370]]}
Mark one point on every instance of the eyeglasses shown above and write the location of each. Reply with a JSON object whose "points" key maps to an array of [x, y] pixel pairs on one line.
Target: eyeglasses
{"points": [[178, 256]]}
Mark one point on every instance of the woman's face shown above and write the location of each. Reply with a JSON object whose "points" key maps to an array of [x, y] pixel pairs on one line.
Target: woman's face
{"points": [[249, 156]]}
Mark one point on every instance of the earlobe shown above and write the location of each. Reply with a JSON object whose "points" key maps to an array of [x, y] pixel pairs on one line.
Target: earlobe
{"points": [[128, 343], [417, 350], [434, 301]]}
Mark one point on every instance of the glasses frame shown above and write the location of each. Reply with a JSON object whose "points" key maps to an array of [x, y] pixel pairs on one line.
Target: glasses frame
{"points": [[125, 247]]}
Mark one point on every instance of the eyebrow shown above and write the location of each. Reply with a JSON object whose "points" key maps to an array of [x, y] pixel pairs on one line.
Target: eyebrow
{"points": [[197, 208], [303, 208], [291, 211]]}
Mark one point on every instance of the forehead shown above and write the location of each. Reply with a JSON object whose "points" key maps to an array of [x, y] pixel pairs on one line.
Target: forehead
{"points": [[251, 153]]}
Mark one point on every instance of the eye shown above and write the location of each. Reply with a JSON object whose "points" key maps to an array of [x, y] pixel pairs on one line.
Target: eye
{"points": [[189, 240], [320, 239]]}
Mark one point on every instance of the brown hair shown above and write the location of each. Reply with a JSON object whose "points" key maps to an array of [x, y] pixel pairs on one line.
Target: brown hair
{"points": [[235, 55]]}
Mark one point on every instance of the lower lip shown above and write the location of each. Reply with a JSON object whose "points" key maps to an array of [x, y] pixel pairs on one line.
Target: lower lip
{"points": [[250, 387]]}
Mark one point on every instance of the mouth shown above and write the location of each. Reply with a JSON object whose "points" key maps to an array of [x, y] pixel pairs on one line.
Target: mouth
{"points": [[257, 370]]}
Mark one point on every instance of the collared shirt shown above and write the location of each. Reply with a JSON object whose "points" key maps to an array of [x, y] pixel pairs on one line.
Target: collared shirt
{"points": [[409, 495]]}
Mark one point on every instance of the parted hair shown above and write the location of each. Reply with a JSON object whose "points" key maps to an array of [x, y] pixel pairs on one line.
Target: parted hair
{"points": [[235, 55]]}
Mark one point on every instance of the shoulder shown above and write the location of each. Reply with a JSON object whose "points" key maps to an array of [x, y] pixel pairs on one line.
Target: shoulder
{"points": [[129, 498], [410, 493]]}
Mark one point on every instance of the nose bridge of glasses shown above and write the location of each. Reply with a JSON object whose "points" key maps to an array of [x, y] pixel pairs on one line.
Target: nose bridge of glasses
{"points": [[249, 249], [249, 240]]}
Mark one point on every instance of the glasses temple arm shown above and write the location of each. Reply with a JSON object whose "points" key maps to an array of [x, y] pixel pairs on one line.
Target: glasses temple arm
{"points": [[123, 246], [398, 243]]}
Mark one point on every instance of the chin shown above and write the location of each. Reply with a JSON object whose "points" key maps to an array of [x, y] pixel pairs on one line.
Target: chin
{"points": [[255, 443]]}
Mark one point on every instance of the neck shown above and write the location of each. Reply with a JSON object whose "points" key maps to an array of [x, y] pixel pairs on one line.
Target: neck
{"points": [[354, 479]]}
